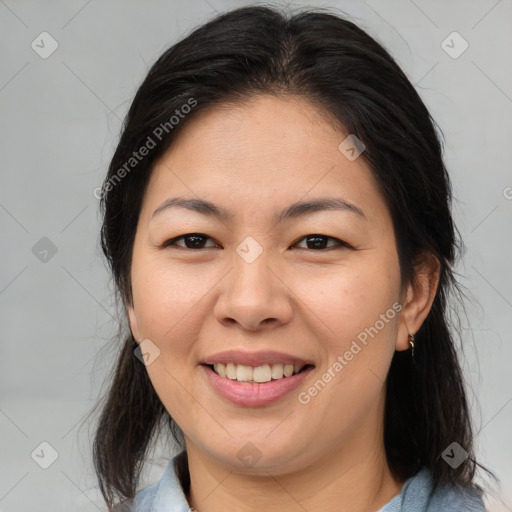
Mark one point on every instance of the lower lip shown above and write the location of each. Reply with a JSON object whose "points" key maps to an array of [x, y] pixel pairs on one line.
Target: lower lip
{"points": [[254, 395]]}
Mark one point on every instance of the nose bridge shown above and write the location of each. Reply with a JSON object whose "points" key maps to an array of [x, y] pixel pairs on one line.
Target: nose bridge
{"points": [[252, 292], [252, 275]]}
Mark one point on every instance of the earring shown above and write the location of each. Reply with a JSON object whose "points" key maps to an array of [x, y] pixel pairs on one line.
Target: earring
{"points": [[411, 343]]}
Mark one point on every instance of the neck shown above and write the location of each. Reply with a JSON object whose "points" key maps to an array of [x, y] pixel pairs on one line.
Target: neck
{"points": [[354, 477]]}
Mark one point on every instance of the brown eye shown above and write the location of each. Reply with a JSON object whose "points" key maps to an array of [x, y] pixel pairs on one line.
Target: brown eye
{"points": [[191, 241], [318, 242], [314, 242]]}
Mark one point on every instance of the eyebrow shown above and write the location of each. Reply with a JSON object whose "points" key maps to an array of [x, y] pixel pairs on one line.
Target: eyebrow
{"points": [[295, 210]]}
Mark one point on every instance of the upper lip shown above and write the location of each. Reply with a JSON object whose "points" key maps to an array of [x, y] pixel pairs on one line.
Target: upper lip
{"points": [[254, 358]]}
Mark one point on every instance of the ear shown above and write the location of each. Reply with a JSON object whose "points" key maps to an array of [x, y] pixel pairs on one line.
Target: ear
{"points": [[419, 297], [134, 324]]}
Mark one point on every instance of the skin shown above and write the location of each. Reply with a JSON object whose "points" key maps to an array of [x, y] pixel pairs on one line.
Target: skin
{"points": [[256, 159]]}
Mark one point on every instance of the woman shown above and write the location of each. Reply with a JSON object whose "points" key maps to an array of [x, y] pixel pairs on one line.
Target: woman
{"points": [[277, 221]]}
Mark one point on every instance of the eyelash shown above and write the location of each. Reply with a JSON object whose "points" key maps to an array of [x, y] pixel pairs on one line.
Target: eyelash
{"points": [[341, 243]]}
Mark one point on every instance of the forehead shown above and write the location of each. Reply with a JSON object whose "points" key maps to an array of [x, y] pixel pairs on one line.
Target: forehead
{"points": [[265, 153]]}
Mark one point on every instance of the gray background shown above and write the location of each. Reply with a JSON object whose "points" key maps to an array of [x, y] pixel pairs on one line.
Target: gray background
{"points": [[60, 121]]}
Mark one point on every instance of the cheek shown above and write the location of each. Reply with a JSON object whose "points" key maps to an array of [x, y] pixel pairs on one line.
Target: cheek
{"points": [[357, 333], [352, 315], [164, 295], [349, 298], [168, 306]]}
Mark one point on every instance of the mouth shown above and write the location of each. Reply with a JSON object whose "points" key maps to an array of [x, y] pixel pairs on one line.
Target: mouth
{"points": [[257, 374], [255, 386]]}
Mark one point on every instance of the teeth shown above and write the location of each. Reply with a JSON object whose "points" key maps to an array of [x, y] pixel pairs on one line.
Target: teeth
{"points": [[220, 369], [230, 371], [243, 373], [264, 373], [277, 371], [288, 370]]}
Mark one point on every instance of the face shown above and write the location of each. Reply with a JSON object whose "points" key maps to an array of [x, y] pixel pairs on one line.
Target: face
{"points": [[317, 286]]}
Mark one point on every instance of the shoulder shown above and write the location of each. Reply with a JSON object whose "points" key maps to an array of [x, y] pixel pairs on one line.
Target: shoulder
{"points": [[165, 495], [444, 498], [417, 496]]}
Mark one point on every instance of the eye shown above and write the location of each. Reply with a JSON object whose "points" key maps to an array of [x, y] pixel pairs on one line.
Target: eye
{"points": [[196, 241], [192, 241], [319, 242]]}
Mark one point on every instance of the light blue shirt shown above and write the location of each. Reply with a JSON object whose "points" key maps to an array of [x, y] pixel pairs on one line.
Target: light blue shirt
{"points": [[166, 495]]}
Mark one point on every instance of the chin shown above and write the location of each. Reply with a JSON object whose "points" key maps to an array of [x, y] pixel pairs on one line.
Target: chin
{"points": [[256, 458]]}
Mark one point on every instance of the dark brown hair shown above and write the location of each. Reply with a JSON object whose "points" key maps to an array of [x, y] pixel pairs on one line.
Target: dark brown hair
{"points": [[334, 64]]}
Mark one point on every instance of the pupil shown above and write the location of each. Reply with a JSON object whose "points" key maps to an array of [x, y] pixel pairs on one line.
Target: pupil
{"points": [[197, 240], [316, 238]]}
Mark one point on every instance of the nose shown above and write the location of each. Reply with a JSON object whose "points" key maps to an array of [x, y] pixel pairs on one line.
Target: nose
{"points": [[253, 296]]}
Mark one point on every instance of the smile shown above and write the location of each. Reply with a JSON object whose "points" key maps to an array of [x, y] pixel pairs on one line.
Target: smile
{"points": [[256, 374], [249, 392]]}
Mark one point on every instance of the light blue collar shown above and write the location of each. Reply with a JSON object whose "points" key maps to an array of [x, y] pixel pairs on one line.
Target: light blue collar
{"points": [[166, 495], [416, 496]]}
